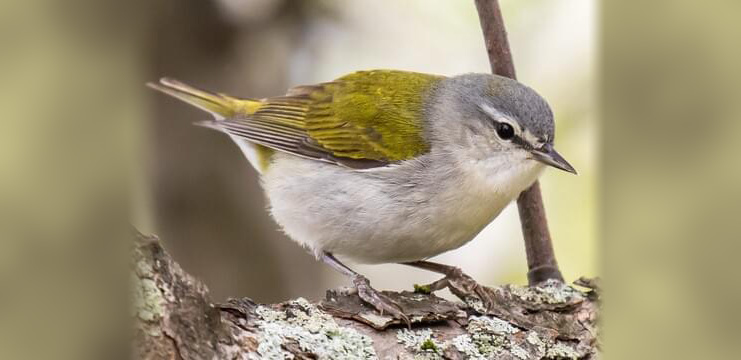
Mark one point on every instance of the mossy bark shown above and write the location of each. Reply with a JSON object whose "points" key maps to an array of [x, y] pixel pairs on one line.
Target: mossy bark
{"points": [[177, 320]]}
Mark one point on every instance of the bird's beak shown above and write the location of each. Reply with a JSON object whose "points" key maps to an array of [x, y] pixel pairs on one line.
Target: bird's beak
{"points": [[548, 155]]}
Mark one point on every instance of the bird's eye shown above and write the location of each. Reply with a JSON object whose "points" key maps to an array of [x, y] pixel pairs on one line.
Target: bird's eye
{"points": [[505, 131]]}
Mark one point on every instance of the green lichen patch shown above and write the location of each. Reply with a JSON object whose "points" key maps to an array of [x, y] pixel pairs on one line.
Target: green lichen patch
{"points": [[420, 342], [476, 304], [422, 289], [487, 338], [429, 344], [465, 345], [552, 292], [562, 350], [315, 332], [149, 305], [148, 300], [143, 269], [490, 325]]}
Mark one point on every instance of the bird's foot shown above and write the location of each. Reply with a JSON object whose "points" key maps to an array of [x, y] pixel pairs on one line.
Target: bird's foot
{"points": [[462, 286], [379, 301]]}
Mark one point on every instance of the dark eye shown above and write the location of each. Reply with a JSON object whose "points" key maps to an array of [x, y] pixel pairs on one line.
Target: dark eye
{"points": [[505, 131]]}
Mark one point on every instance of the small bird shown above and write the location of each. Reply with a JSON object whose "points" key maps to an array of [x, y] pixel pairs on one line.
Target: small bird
{"points": [[388, 166]]}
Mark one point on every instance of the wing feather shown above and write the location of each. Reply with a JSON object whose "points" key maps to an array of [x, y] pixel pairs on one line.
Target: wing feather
{"points": [[365, 119]]}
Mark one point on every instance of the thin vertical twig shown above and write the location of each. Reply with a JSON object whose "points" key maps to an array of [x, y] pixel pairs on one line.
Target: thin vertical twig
{"points": [[541, 259]]}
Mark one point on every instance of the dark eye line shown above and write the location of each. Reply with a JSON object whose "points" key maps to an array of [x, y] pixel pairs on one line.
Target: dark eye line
{"points": [[517, 140]]}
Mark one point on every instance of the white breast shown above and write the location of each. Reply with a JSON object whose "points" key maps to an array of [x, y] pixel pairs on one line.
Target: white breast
{"points": [[402, 213]]}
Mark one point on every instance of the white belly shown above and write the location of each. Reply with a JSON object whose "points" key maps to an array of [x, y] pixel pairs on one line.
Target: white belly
{"points": [[382, 216]]}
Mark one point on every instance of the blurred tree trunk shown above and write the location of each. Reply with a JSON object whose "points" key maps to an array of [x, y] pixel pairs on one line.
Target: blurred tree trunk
{"points": [[72, 104], [207, 196]]}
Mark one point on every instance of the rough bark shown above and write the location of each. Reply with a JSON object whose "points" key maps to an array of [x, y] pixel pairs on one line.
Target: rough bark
{"points": [[175, 319]]}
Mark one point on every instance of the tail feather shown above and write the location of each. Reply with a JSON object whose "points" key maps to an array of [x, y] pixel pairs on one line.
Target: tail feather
{"points": [[219, 105]]}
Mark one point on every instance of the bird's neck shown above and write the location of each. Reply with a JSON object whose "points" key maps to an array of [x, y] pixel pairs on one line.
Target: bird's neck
{"points": [[504, 176]]}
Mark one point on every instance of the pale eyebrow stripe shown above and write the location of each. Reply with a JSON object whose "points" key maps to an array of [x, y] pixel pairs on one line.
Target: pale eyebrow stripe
{"points": [[492, 112], [498, 116]]}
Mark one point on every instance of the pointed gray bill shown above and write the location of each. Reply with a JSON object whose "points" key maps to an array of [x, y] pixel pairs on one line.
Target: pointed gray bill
{"points": [[548, 155]]}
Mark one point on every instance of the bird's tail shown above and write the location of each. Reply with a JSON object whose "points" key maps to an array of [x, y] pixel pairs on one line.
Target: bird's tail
{"points": [[219, 105]]}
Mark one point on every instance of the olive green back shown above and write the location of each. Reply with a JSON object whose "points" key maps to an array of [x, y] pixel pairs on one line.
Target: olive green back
{"points": [[364, 119]]}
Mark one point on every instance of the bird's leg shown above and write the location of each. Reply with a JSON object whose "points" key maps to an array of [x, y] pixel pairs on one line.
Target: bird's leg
{"points": [[380, 302], [460, 284]]}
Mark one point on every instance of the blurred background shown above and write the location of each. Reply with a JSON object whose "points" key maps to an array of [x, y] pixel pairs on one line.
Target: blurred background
{"points": [[204, 200], [646, 97], [86, 149]]}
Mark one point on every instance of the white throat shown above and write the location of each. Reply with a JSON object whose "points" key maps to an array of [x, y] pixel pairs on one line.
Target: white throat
{"points": [[507, 174]]}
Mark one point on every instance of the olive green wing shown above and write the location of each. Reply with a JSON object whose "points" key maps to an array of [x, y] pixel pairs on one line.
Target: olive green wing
{"points": [[361, 120]]}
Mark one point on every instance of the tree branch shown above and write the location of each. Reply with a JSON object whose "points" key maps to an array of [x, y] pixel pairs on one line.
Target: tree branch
{"points": [[176, 320], [541, 259]]}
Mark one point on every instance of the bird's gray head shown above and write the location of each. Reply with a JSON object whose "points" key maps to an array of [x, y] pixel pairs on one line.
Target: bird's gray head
{"points": [[494, 116]]}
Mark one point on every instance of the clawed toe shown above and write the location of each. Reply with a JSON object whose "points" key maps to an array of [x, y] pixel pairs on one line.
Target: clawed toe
{"points": [[483, 294], [464, 287], [361, 285], [379, 301]]}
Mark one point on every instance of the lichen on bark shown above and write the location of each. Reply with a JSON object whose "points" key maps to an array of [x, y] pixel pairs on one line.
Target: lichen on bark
{"points": [[177, 320]]}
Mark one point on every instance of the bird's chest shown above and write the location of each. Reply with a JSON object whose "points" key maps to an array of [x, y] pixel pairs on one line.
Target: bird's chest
{"points": [[461, 204], [457, 212]]}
